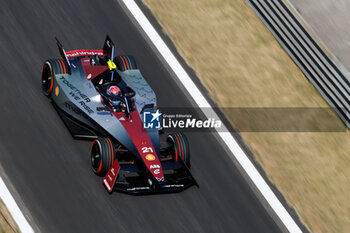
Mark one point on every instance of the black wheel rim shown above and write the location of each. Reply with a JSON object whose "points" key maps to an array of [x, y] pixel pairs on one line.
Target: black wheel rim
{"points": [[96, 157], [46, 78], [46, 84]]}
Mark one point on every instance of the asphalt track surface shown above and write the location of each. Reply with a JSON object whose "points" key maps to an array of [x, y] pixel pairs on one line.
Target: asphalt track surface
{"points": [[51, 171]]}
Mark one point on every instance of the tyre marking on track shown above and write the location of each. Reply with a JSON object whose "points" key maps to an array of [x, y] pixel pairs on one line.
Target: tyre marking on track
{"points": [[237, 152], [13, 208]]}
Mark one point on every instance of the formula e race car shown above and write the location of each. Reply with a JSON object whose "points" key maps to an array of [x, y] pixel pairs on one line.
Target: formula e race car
{"points": [[105, 98]]}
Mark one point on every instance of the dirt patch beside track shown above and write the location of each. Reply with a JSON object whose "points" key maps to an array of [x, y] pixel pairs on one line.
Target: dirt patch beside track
{"points": [[242, 65], [7, 224]]}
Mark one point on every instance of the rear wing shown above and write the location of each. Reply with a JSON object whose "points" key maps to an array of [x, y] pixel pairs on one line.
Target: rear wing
{"points": [[108, 51]]}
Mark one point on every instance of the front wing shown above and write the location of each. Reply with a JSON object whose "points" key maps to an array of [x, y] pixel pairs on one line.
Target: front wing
{"points": [[131, 179]]}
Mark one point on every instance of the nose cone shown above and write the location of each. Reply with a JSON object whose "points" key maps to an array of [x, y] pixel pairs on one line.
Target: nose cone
{"points": [[142, 142], [155, 168]]}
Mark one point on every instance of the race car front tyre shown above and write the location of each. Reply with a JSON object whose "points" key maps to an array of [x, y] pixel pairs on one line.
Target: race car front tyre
{"points": [[125, 63], [181, 148], [102, 155], [49, 70]]}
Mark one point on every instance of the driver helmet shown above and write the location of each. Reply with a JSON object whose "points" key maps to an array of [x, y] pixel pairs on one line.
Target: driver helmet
{"points": [[114, 91]]}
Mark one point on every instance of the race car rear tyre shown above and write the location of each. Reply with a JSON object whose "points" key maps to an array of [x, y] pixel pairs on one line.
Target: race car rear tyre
{"points": [[49, 70], [102, 155], [47, 78], [181, 148], [125, 63]]}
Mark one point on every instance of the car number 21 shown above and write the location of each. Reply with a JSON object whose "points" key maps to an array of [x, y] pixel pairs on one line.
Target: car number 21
{"points": [[146, 149]]}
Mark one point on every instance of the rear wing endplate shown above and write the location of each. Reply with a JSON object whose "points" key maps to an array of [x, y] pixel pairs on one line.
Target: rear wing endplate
{"points": [[63, 54], [108, 48]]}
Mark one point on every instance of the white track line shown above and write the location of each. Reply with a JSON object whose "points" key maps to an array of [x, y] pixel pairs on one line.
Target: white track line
{"points": [[200, 100], [13, 208]]}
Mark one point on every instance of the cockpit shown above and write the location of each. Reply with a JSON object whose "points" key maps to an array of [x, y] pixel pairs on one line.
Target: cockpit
{"points": [[115, 93]]}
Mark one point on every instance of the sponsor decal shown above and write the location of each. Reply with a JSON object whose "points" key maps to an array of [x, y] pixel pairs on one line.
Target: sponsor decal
{"points": [[146, 149], [150, 157], [77, 53], [107, 185], [152, 119], [74, 109], [191, 123], [111, 176], [78, 95], [137, 188], [157, 171], [154, 166], [57, 91], [86, 107], [173, 186], [111, 65]]}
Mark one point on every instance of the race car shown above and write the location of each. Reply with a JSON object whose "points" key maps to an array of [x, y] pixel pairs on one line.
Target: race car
{"points": [[105, 99]]}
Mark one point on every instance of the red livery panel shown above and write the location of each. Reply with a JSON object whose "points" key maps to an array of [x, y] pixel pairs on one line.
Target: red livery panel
{"points": [[92, 71], [142, 142], [111, 177]]}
